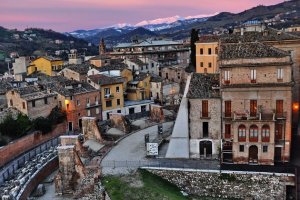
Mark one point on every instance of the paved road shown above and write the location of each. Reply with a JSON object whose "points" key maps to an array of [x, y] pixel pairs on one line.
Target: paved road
{"points": [[130, 153]]}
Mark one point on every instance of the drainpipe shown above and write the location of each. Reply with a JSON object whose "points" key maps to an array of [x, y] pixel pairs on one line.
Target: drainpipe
{"points": [[221, 142]]}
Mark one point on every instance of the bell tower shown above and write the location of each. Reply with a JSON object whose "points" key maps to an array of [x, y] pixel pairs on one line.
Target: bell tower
{"points": [[102, 47]]}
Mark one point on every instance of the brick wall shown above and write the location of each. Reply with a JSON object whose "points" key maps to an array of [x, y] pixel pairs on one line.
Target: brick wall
{"points": [[17, 147]]}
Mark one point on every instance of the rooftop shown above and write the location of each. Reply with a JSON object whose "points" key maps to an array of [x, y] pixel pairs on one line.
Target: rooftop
{"points": [[156, 78], [50, 58], [116, 66], [5, 86], [202, 86], [64, 86], [102, 79], [140, 77], [80, 68], [32, 93], [208, 39], [249, 50]]}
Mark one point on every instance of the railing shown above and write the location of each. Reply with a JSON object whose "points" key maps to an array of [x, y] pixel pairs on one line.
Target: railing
{"points": [[282, 115], [205, 115], [253, 116]]}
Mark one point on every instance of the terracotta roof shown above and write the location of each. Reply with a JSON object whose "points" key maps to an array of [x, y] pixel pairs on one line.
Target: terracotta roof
{"points": [[116, 66], [208, 39], [80, 68], [204, 86], [249, 50], [105, 80]]}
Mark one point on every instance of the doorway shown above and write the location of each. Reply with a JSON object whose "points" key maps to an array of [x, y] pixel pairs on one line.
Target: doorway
{"points": [[278, 154], [205, 129], [70, 126], [253, 154], [80, 123], [206, 149]]}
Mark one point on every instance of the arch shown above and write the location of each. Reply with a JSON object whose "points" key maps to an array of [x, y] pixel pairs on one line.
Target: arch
{"points": [[253, 133], [253, 154], [265, 133], [242, 133]]}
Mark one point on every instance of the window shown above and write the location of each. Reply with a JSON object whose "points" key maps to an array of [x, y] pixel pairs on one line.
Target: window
{"points": [[11, 102], [201, 51], [201, 64], [278, 132], [279, 108], [88, 101], [106, 91], [108, 104], [68, 106], [242, 148], [118, 89], [253, 76], [118, 111], [279, 73], [253, 133], [71, 97], [12, 92], [143, 108], [33, 103], [24, 105], [78, 102], [89, 113], [204, 108], [131, 111], [209, 65], [97, 111], [152, 65], [96, 100], [227, 108], [209, 51], [227, 131], [46, 100], [157, 86], [242, 133], [118, 102], [265, 133], [227, 77], [265, 148]]}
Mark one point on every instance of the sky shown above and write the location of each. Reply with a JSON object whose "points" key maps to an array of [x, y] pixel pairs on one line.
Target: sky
{"points": [[69, 15]]}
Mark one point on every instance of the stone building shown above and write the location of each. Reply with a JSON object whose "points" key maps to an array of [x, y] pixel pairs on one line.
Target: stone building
{"points": [[256, 88], [100, 61], [76, 72], [32, 101], [204, 116], [78, 99], [4, 87]]}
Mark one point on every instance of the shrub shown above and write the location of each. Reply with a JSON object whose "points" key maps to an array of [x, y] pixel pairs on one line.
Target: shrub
{"points": [[42, 124], [57, 116]]}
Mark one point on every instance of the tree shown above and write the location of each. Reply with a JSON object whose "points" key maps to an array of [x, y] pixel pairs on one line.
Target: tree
{"points": [[42, 124], [194, 39]]}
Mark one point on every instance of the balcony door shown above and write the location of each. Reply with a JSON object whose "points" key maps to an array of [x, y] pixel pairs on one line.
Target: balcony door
{"points": [[227, 108], [279, 108], [253, 108]]}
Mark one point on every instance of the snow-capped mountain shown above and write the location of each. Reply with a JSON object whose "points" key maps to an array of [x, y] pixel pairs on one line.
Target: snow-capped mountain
{"points": [[152, 25]]}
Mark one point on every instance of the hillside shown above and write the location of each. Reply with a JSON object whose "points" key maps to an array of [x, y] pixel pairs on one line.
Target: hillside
{"points": [[288, 12]]}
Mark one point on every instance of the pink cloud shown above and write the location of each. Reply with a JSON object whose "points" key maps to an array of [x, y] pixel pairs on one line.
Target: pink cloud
{"points": [[67, 15]]}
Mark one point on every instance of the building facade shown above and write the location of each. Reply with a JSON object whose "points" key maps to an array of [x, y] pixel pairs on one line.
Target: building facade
{"points": [[46, 65]]}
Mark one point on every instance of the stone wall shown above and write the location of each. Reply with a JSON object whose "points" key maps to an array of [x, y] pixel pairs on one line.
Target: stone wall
{"points": [[118, 121], [157, 114], [240, 186], [90, 129], [17, 147]]}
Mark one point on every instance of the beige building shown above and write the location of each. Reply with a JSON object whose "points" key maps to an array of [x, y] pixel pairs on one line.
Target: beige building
{"points": [[204, 116], [256, 88], [76, 72], [207, 54], [32, 101]]}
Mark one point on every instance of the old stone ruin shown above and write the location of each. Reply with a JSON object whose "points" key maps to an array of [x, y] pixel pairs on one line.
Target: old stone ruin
{"points": [[79, 163]]}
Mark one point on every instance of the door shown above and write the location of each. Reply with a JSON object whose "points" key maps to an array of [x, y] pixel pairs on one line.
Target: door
{"points": [[205, 129], [206, 148], [227, 108], [80, 123], [279, 108], [278, 132], [253, 108], [70, 126], [277, 154], [253, 154]]}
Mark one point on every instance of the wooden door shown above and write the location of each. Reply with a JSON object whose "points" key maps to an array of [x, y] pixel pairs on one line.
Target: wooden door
{"points": [[279, 108], [277, 154], [205, 108], [227, 108], [253, 154], [278, 132], [253, 108]]}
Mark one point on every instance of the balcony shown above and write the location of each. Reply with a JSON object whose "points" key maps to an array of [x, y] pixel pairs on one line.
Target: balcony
{"points": [[205, 115], [261, 116], [281, 115], [108, 96]]}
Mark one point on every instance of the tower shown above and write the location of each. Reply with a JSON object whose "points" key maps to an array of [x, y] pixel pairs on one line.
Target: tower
{"points": [[102, 47]]}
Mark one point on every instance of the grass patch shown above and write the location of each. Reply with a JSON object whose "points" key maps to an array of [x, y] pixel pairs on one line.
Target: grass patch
{"points": [[153, 187]]}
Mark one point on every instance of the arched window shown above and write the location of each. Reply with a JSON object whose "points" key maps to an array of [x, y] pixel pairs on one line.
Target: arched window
{"points": [[265, 133], [253, 133], [242, 133]]}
